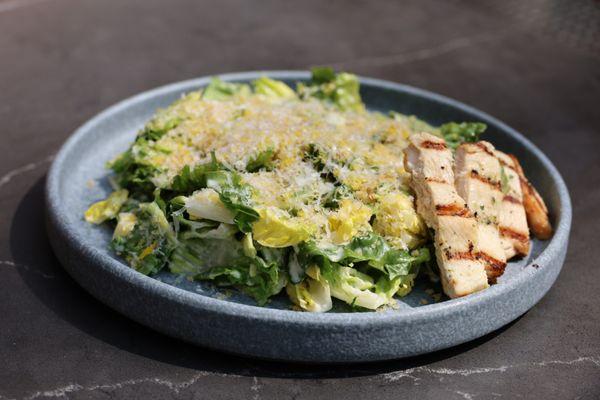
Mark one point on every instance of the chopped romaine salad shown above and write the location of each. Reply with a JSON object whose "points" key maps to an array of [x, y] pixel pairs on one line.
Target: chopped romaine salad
{"points": [[274, 190]]}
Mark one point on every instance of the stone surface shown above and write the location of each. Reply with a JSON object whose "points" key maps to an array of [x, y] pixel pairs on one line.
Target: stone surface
{"points": [[534, 65]]}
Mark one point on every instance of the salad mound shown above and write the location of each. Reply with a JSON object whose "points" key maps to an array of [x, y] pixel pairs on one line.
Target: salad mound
{"points": [[269, 189]]}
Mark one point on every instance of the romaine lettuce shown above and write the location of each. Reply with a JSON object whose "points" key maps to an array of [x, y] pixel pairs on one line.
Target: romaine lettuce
{"points": [[457, 133], [148, 245], [312, 294], [107, 209], [220, 90], [342, 90], [233, 193], [273, 89], [263, 160]]}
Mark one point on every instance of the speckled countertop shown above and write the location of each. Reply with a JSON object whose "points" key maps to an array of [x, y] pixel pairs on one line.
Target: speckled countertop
{"points": [[535, 65]]}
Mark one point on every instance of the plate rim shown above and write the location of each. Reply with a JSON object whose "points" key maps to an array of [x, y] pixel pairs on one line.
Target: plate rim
{"points": [[262, 314]]}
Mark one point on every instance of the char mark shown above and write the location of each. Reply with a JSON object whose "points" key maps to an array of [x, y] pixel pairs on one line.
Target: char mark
{"points": [[435, 180], [454, 210], [475, 175], [460, 255], [484, 148], [428, 144], [493, 263], [511, 199], [511, 233]]}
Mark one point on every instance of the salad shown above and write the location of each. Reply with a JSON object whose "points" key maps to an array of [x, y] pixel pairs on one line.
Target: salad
{"points": [[269, 189]]}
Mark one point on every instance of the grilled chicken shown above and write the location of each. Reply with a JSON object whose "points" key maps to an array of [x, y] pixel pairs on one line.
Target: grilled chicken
{"points": [[513, 228], [535, 208], [478, 182], [430, 163]]}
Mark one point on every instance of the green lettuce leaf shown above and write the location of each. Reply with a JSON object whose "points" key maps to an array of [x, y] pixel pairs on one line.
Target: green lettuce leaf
{"points": [[149, 244], [132, 174], [236, 196], [339, 192], [158, 127], [465, 132], [354, 287], [196, 256], [233, 193], [371, 249], [342, 89], [273, 89], [226, 261], [191, 179], [260, 276], [220, 90], [313, 294], [263, 160], [108, 208]]}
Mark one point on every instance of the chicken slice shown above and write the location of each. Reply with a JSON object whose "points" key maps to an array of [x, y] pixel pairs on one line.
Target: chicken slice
{"points": [[535, 208], [478, 175], [512, 224], [430, 163]]}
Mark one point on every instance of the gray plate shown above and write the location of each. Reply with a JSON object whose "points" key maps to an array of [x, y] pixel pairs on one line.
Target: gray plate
{"points": [[198, 313]]}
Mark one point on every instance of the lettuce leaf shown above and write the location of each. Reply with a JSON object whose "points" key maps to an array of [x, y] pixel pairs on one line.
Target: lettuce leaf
{"points": [[394, 263], [157, 128], [260, 276], [341, 90], [133, 174], [236, 196], [196, 256], [275, 228], [149, 244], [263, 160], [397, 269], [191, 179], [233, 193], [313, 294], [107, 209], [465, 132], [228, 262], [371, 249], [273, 89], [220, 90], [355, 288]]}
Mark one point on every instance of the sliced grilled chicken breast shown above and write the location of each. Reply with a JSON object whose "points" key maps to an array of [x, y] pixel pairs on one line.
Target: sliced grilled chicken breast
{"points": [[514, 232], [477, 177], [430, 163], [535, 208]]}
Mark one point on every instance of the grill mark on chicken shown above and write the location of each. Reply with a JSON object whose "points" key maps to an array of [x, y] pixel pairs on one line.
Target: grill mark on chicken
{"points": [[495, 267], [507, 232], [484, 148], [506, 165], [511, 199], [428, 144], [454, 210], [435, 180], [460, 255], [475, 175]]}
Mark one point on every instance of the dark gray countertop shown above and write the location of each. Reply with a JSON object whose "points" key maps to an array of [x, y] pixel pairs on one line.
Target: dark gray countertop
{"points": [[535, 66]]}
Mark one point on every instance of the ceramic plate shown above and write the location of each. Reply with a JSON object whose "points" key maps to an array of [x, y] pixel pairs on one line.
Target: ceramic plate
{"points": [[199, 313]]}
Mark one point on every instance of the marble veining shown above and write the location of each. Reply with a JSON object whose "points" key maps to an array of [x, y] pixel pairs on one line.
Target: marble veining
{"points": [[7, 177], [412, 374]]}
